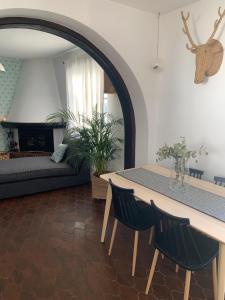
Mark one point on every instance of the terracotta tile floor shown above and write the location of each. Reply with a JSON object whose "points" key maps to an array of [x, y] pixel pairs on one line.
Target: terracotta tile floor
{"points": [[50, 249]]}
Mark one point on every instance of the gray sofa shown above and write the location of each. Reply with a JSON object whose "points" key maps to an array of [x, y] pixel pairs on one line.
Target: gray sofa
{"points": [[29, 175]]}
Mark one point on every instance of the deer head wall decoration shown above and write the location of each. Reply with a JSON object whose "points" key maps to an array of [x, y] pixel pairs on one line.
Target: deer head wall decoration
{"points": [[209, 56]]}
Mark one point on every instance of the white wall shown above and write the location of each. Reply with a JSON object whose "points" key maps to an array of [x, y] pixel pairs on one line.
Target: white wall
{"points": [[125, 35], [36, 94], [182, 108], [60, 74], [173, 105], [114, 108]]}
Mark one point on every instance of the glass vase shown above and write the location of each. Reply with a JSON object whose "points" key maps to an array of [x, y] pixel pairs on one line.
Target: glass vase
{"points": [[179, 174]]}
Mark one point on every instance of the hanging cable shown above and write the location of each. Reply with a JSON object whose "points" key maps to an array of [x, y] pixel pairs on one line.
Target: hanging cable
{"points": [[157, 63], [158, 30]]}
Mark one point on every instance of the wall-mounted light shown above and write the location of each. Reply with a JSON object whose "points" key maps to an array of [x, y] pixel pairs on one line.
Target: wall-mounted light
{"points": [[2, 68]]}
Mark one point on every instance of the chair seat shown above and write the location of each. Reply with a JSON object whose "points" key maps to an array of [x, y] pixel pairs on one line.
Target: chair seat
{"points": [[187, 247], [141, 220]]}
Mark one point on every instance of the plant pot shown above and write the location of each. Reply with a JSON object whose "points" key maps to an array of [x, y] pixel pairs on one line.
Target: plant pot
{"points": [[99, 187]]}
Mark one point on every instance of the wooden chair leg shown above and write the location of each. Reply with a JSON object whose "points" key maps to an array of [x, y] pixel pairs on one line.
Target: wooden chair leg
{"points": [[136, 235], [187, 285], [113, 236], [177, 269], [152, 271], [221, 271], [215, 281], [151, 235]]}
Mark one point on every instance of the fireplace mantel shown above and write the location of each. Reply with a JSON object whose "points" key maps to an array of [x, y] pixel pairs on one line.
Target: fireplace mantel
{"points": [[6, 124]]}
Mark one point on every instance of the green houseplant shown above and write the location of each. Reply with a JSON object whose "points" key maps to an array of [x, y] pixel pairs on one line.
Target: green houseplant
{"points": [[93, 141], [181, 155]]}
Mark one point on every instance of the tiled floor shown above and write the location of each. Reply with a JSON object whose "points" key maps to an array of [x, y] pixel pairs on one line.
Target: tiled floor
{"points": [[50, 249]]}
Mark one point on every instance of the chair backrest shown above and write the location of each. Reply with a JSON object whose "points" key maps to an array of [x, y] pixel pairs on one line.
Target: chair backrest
{"points": [[184, 245], [165, 222], [219, 180], [196, 173], [125, 205]]}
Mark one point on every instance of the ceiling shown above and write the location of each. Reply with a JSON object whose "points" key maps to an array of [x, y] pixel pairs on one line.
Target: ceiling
{"points": [[156, 6], [28, 43]]}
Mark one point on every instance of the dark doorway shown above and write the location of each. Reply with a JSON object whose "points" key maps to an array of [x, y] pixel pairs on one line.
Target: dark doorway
{"points": [[104, 62]]}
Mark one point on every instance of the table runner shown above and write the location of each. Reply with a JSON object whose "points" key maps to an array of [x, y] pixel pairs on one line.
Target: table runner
{"points": [[203, 201]]}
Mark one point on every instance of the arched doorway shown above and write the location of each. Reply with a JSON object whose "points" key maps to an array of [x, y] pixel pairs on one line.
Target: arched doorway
{"points": [[104, 62]]}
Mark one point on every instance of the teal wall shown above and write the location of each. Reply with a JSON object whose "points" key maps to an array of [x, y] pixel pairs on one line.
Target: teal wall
{"points": [[8, 82]]}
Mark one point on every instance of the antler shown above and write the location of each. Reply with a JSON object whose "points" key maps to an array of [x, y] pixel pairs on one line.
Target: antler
{"points": [[217, 23], [187, 32]]}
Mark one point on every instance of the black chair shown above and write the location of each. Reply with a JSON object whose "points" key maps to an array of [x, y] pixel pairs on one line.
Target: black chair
{"points": [[196, 173], [219, 180], [185, 246], [131, 212]]}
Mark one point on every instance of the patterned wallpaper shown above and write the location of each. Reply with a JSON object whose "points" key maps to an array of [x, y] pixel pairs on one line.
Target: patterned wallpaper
{"points": [[8, 81]]}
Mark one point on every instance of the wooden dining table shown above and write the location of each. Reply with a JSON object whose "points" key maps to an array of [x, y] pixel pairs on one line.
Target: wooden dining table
{"points": [[205, 223]]}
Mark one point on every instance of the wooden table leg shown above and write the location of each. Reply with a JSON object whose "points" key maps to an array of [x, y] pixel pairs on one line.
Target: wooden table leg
{"points": [[221, 272], [106, 213]]}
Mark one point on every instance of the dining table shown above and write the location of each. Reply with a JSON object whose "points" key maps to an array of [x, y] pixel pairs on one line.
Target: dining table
{"points": [[203, 203]]}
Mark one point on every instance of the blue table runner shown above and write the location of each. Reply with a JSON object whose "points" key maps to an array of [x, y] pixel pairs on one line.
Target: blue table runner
{"points": [[203, 201]]}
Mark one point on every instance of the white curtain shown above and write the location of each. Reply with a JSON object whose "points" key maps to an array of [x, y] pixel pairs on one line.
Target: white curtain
{"points": [[85, 80]]}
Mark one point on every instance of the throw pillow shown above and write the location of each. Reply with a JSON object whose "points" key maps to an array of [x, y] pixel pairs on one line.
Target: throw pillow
{"points": [[59, 153]]}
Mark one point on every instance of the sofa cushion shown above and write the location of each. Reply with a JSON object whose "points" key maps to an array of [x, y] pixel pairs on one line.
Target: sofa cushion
{"points": [[59, 153], [26, 168]]}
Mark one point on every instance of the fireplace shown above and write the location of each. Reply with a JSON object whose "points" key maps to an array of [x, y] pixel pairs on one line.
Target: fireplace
{"points": [[32, 136], [36, 139]]}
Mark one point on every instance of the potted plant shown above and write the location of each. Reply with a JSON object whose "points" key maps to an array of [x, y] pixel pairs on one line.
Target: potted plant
{"points": [[93, 141], [181, 155]]}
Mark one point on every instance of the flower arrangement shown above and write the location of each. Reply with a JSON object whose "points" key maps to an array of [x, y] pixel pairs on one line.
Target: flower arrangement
{"points": [[181, 155], [180, 150]]}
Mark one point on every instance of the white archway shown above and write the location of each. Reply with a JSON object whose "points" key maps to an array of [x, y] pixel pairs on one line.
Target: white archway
{"points": [[128, 76]]}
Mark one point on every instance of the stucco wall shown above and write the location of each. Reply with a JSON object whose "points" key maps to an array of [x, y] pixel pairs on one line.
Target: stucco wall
{"points": [[36, 94], [125, 35], [184, 108]]}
